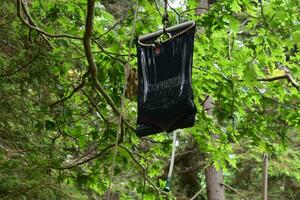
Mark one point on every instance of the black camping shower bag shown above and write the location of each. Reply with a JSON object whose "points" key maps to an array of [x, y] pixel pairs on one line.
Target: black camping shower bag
{"points": [[165, 96]]}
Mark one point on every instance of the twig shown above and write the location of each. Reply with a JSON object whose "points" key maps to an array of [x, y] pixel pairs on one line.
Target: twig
{"points": [[174, 10], [276, 78], [263, 15], [230, 45], [192, 9], [158, 142], [286, 76], [292, 81], [31, 21], [143, 169], [59, 132], [157, 8], [76, 89], [86, 160], [19, 153], [231, 188], [197, 194], [112, 27], [95, 106], [112, 53], [108, 53], [193, 168], [80, 118], [21, 68]]}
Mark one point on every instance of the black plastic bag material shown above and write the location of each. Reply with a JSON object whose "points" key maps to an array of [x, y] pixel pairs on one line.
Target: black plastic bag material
{"points": [[165, 96]]}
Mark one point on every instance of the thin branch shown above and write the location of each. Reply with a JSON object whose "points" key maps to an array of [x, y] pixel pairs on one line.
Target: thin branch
{"points": [[157, 8], [112, 53], [263, 15], [9, 45], [230, 45], [112, 27], [109, 53], [19, 2], [76, 89], [95, 106], [193, 168], [157, 142], [292, 81], [78, 162], [144, 169], [286, 76], [31, 21], [19, 153], [174, 10], [193, 9], [236, 191], [83, 115], [21, 68], [120, 128], [86, 160], [198, 193], [60, 132], [276, 78]]}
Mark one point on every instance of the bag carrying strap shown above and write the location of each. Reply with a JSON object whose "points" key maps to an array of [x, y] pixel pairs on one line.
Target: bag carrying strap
{"points": [[182, 28]]}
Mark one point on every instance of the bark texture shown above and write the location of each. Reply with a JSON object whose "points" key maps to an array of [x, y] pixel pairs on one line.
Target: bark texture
{"points": [[265, 178], [214, 178], [214, 184]]}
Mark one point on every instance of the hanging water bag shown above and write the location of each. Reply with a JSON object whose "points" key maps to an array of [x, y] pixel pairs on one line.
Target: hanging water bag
{"points": [[165, 96]]}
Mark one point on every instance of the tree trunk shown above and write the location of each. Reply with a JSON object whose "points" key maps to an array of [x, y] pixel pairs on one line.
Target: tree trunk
{"points": [[265, 177], [203, 6], [214, 186], [214, 178]]}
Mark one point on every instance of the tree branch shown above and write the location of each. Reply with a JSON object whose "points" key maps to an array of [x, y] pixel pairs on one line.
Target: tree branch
{"points": [[157, 8], [286, 76], [157, 142], [174, 10], [292, 81], [21, 3], [109, 53], [112, 27], [263, 16], [21, 68], [76, 89], [198, 193], [95, 106], [92, 65], [31, 21], [231, 188], [193, 9], [276, 78], [144, 169], [86, 160]]}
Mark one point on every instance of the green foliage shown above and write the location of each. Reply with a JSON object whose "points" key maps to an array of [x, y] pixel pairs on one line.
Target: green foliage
{"points": [[64, 150]]}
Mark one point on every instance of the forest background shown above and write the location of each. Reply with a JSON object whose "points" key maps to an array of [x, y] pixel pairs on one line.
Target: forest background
{"points": [[68, 87]]}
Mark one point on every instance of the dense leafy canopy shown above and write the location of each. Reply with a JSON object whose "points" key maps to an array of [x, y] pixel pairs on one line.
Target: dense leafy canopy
{"points": [[60, 103]]}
